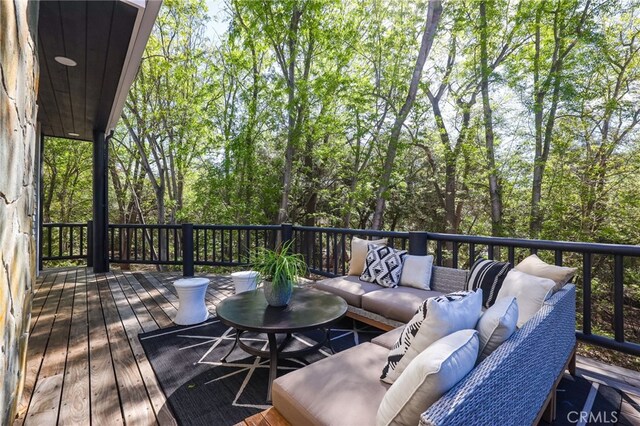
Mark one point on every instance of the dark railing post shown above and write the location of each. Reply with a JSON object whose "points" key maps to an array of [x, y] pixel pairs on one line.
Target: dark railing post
{"points": [[618, 298], [586, 293], [90, 244], [418, 243], [287, 232], [187, 250]]}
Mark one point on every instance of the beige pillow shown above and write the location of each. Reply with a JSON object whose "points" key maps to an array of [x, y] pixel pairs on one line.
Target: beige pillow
{"points": [[496, 325], [416, 272], [533, 265], [429, 376], [436, 317], [359, 251], [530, 293]]}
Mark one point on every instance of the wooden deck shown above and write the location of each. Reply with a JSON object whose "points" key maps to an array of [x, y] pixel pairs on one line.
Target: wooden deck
{"points": [[85, 364]]}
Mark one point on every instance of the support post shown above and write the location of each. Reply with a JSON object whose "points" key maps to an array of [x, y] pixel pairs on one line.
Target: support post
{"points": [[100, 202], [418, 243], [40, 199], [90, 244], [187, 250], [287, 232]]}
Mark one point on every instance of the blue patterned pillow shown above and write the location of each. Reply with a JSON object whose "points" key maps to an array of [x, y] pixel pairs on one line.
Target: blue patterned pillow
{"points": [[383, 265]]}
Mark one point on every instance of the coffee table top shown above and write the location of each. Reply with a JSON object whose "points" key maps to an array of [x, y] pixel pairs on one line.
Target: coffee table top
{"points": [[308, 309]]}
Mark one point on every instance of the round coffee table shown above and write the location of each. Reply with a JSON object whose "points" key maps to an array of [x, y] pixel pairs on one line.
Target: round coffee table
{"points": [[309, 309]]}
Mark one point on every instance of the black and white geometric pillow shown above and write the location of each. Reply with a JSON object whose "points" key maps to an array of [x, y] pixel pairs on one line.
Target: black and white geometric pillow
{"points": [[383, 265], [410, 330], [487, 275]]}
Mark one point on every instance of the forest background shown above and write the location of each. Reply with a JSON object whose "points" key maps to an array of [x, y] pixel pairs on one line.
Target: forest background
{"points": [[488, 117]]}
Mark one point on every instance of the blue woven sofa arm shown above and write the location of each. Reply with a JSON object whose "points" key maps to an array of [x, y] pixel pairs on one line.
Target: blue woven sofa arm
{"points": [[511, 385]]}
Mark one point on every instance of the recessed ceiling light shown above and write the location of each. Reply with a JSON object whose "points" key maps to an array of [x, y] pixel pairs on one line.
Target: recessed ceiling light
{"points": [[75, 135], [65, 61]]}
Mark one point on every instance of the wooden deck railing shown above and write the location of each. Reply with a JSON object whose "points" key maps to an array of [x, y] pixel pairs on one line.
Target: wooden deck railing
{"points": [[605, 271]]}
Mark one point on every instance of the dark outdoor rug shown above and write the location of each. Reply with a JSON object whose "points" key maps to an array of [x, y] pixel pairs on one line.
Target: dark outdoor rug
{"points": [[583, 402], [203, 391]]}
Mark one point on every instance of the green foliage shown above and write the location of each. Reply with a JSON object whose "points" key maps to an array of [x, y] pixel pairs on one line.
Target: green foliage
{"points": [[280, 266], [204, 132]]}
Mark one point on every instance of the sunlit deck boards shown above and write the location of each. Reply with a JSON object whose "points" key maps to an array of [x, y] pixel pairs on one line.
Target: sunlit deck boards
{"points": [[85, 363]]}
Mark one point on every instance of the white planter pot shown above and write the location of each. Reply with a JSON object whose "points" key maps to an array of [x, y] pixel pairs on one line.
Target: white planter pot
{"points": [[244, 281]]}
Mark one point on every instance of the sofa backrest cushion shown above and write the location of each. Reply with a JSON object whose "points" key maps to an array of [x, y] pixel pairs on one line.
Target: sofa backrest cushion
{"points": [[487, 275], [437, 317], [432, 373], [530, 292], [496, 325], [533, 265], [448, 280], [416, 272]]}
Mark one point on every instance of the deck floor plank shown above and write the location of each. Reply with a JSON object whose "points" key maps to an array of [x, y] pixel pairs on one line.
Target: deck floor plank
{"points": [[106, 407], [141, 313], [164, 288], [39, 335], [45, 402], [152, 305], [133, 327], [75, 408], [136, 406]]}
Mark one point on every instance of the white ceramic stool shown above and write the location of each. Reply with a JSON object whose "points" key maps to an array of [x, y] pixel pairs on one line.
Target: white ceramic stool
{"points": [[191, 307], [244, 281]]}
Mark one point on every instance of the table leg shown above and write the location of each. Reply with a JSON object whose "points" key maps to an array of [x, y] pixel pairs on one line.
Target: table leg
{"points": [[273, 363], [284, 343], [328, 331], [235, 343]]}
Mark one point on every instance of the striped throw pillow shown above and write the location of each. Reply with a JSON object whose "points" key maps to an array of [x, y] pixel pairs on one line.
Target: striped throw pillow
{"points": [[398, 357], [487, 275]]}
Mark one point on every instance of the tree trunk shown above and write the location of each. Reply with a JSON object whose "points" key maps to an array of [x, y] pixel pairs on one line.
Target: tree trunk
{"points": [[495, 190], [434, 12], [292, 130]]}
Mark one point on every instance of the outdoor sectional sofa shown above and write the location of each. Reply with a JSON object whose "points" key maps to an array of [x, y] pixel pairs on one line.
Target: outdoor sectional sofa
{"points": [[389, 308], [514, 385]]}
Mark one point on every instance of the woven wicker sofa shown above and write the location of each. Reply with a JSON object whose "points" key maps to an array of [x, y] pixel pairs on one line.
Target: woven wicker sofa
{"points": [[514, 385], [389, 308]]}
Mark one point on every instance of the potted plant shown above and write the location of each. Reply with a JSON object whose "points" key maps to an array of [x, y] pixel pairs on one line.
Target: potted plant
{"points": [[279, 269]]}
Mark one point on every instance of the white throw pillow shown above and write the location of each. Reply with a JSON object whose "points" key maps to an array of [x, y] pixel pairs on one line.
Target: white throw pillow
{"points": [[496, 325], [359, 251], [530, 292], [416, 272], [444, 315], [429, 376], [533, 265]]}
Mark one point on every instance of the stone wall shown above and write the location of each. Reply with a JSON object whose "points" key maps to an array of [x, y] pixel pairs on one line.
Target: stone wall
{"points": [[18, 89]]}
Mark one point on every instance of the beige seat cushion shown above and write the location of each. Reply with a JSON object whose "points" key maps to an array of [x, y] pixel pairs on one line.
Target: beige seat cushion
{"points": [[344, 389], [398, 303], [388, 339], [350, 288]]}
